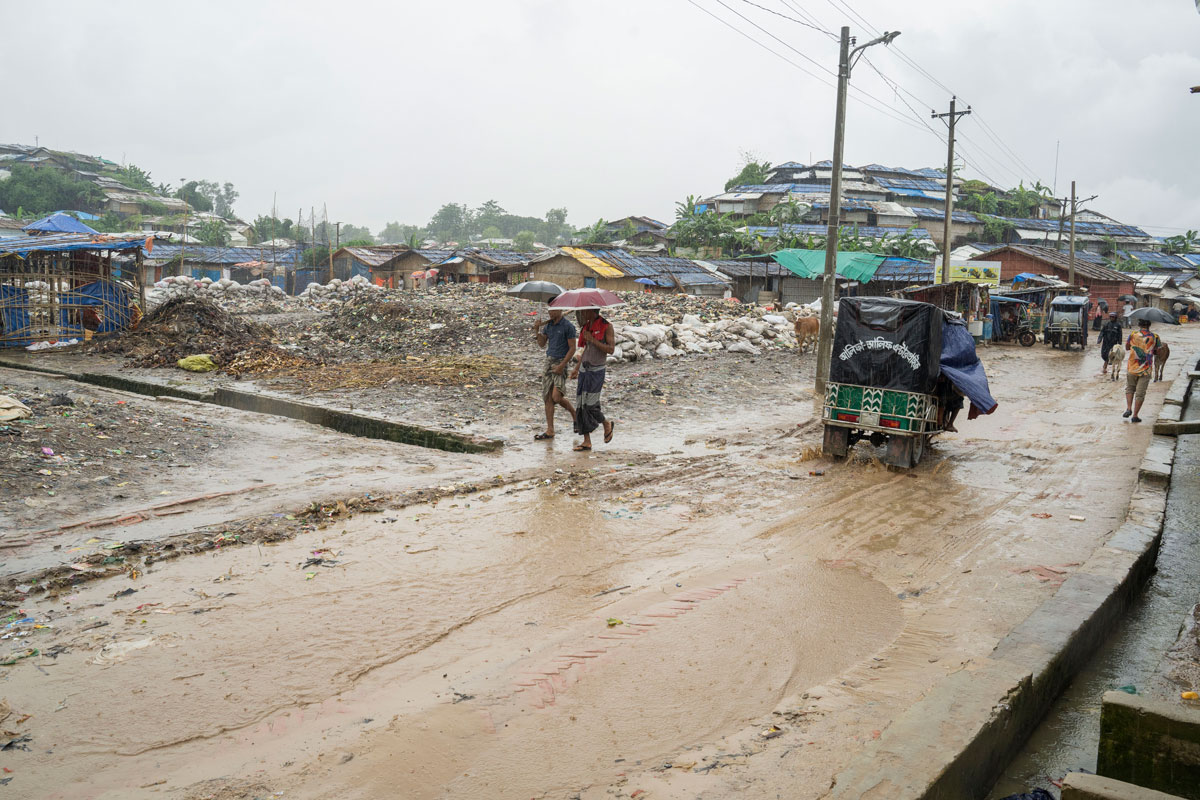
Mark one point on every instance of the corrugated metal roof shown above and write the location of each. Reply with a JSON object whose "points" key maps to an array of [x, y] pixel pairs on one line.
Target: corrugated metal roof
{"points": [[22, 246], [1159, 260], [910, 183], [591, 260], [741, 268], [916, 193], [933, 213], [1095, 228], [206, 254], [868, 231], [1088, 265], [905, 270]]}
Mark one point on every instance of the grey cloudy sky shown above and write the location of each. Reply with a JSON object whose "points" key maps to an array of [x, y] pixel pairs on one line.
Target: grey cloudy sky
{"points": [[385, 111]]}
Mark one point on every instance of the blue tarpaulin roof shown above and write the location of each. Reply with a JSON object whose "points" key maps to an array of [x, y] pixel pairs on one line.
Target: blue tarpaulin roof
{"points": [[59, 223]]}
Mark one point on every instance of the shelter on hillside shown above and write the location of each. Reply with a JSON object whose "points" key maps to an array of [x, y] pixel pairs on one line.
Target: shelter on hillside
{"points": [[56, 287], [58, 223]]}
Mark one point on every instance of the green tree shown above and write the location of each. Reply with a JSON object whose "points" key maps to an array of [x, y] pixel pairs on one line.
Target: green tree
{"points": [[40, 191], [452, 222], [355, 233], [491, 232], [1188, 242], [136, 178], [1019, 202], [995, 229], [268, 228], [524, 240], [595, 234], [555, 226], [985, 203], [753, 172], [213, 232], [190, 194], [395, 233]]}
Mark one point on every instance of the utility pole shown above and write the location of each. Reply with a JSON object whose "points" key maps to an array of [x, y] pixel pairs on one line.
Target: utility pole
{"points": [[1071, 256], [1062, 216], [846, 60], [951, 119]]}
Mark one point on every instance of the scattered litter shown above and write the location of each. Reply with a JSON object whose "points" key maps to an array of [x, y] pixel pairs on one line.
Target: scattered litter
{"points": [[1128, 689], [1077, 518], [610, 591], [115, 652], [12, 409], [197, 363], [614, 622], [1042, 514], [771, 732], [1192, 696]]}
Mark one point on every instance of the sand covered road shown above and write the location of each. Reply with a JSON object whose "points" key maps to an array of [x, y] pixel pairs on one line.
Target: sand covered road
{"points": [[768, 621]]}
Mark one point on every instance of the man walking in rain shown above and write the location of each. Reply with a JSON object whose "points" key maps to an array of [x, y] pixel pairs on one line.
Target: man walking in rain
{"points": [[1141, 345], [558, 337], [1110, 337]]}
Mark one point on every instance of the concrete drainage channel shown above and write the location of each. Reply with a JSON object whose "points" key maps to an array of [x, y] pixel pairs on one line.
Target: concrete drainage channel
{"points": [[954, 743], [334, 419]]}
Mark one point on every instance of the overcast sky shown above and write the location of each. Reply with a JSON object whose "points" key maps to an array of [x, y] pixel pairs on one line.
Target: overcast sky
{"points": [[385, 111]]}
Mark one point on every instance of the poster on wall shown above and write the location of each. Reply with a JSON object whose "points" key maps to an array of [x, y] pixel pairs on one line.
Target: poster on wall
{"points": [[985, 273]]}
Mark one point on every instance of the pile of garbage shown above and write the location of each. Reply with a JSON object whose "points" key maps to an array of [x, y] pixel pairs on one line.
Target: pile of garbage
{"points": [[338, 290], [386, 324], [186, 286], [190, 325], [750, 334]]}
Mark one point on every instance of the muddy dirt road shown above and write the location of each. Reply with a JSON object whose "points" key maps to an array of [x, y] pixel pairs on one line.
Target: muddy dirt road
{"points": [[688, 613]]}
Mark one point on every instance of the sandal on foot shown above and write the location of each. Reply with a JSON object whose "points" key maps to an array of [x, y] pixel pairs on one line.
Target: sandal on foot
{"points": [[608, 436], [580, 448], [543, 436]]}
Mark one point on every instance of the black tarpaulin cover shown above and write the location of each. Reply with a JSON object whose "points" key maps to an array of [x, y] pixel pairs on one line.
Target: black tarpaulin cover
{"points": [[887, 344]]}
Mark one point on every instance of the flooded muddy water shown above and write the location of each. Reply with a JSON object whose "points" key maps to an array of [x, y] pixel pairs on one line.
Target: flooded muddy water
{"points": [[690, 611]]}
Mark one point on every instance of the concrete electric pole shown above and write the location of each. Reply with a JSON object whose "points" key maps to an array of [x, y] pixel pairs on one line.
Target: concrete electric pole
{"points": [[1071, 255], [846, 61], [951, 118]]}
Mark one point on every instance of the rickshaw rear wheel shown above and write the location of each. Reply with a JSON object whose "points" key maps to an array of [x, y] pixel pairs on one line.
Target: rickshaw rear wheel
{"points": [[837, 441], [1026, 338]]}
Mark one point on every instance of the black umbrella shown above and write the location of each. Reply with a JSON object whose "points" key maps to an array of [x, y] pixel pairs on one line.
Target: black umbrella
{"points": [[1154, 315], [1128, 297], [542, 291]]}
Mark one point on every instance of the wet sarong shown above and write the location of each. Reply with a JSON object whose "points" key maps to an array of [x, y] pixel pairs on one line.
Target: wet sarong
{"points": [[588, 416]]}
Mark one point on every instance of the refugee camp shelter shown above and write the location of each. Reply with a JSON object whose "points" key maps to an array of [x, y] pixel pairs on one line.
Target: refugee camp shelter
{"points": [[593, 266], [427, 267], [242, 264], [1099, 281], [375, 263], [57, 223], [53, 287]]}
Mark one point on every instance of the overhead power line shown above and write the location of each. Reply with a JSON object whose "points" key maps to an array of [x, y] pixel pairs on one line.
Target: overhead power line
{"points": [[790, 19]]}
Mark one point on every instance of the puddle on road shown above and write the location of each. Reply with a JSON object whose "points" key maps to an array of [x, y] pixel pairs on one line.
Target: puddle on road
{"points": [[252, 655]]}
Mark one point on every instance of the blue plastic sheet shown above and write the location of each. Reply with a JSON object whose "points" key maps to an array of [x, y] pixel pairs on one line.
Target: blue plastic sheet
{"points": [[962, 367], [13, 316], [114, 299]]}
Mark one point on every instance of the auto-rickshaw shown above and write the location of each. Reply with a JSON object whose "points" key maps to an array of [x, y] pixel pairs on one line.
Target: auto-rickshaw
{"points": [[1011, 321], [895, 365], [882, 376], [1067, 322]]}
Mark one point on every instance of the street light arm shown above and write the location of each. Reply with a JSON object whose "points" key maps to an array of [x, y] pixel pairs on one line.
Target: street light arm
{"points": [[856, 53]]}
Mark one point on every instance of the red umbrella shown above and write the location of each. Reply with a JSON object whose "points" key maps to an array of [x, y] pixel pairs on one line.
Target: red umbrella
{"points": [[577, 299]]}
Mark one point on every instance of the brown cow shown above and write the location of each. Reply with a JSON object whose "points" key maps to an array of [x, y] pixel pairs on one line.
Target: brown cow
{"points": [[808, 330], [1161, 354]]}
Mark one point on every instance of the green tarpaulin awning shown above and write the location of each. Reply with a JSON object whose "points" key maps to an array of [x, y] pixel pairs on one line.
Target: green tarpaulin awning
{"points": [[811, 264]]}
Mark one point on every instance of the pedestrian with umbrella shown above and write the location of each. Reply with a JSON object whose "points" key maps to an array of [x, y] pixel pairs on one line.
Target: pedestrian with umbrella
{"points": [[1142, 345], [557, 335], [597, 340]]}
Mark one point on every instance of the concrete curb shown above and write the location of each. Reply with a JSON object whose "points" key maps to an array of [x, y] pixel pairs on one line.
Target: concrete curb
{"points": [[954, 743], [335, 419]]}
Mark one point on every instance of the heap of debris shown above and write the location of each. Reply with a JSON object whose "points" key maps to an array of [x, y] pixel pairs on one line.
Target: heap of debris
{"points": [[188, 325]]}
